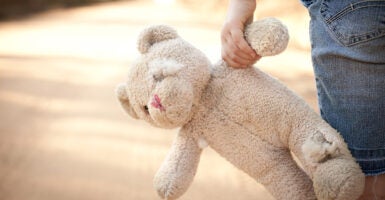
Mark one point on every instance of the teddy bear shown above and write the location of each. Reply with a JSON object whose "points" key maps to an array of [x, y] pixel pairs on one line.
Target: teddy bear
{"points": [[247, 116]]}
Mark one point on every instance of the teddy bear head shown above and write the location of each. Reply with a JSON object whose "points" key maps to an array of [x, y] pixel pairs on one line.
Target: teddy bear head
{"points": [[166, 81]]}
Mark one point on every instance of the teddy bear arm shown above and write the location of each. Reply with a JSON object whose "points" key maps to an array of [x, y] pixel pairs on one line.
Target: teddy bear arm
{"points": [[178, 169]]}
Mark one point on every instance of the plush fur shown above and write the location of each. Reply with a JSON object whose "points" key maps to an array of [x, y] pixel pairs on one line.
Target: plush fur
{"points": [[247, 116]]}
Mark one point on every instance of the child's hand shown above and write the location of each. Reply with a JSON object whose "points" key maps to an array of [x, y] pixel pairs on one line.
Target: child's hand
{"points": [[235, 50]]}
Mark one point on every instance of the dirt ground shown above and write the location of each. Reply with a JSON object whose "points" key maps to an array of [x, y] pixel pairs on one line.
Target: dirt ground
{"points": [[63, 136]]}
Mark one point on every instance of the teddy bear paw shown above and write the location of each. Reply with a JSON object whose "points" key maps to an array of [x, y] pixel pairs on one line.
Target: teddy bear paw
{"points": [[167, 191]]}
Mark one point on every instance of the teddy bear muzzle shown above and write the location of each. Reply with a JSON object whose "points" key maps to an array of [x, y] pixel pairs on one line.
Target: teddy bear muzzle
{"points": [[156, 103], [170, 111]]}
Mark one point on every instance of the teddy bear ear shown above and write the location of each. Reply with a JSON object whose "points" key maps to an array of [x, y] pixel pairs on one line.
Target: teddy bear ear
{"points": [[155, 34], [121, 94]]}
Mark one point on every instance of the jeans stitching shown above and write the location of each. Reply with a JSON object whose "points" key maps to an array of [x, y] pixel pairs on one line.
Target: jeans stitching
{"points": [[353, 7], [352, 39]]}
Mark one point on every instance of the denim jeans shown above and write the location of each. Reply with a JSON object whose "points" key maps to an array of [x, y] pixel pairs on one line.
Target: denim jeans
{"points": [[348, 54]]}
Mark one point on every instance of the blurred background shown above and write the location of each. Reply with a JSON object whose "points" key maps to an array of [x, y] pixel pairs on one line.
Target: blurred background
{"points": [[63, 135]]}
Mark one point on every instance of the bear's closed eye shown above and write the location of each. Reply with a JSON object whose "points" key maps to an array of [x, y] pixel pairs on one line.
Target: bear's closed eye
{"points": [[146, 109]]}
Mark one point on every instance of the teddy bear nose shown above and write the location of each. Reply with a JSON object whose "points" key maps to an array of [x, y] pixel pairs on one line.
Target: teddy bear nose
{"points": [[156, 103]]}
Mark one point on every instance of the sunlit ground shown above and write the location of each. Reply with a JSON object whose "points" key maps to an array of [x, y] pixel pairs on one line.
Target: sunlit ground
{"points": [[63, 134]]}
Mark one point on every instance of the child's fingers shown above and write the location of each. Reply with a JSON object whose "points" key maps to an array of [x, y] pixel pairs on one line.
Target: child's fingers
{"points": [[235, 50], [235, 61], [238, 39], [233, 56]]}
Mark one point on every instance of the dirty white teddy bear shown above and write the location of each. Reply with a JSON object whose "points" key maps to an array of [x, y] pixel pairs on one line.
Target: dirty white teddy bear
{"points": [[248, 117]]}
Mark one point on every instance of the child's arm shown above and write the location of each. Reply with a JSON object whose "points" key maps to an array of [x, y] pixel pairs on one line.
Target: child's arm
{"points": [[235, 50]]}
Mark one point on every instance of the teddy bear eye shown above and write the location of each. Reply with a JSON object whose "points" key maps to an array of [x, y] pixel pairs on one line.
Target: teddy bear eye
{"points": [[157, 77], [145, 108]]}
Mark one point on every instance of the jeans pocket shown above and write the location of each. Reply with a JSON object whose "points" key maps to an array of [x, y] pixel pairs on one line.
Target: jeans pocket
{"points": [[354, 21]]}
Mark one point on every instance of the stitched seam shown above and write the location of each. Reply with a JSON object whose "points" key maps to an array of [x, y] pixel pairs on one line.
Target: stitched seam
{"points": [[353, 7], [376, 33]]}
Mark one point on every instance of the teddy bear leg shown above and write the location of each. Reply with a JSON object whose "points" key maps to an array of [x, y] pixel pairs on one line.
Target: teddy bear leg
{"points": [[339, 179], [284, 179], [335, 173]]}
